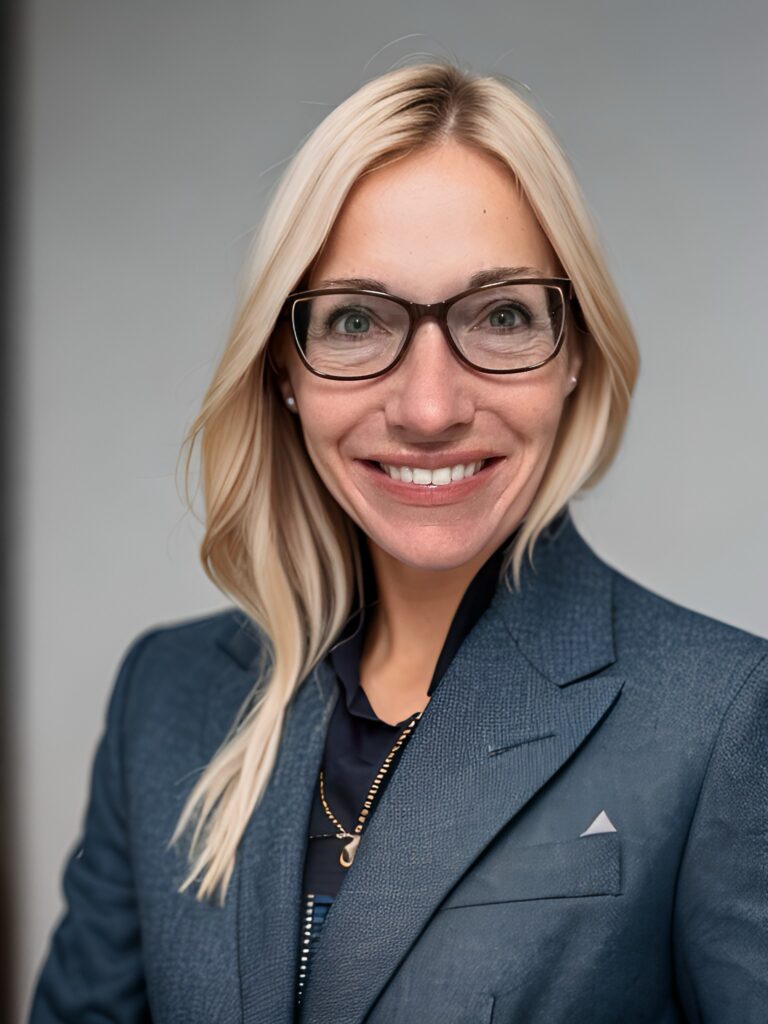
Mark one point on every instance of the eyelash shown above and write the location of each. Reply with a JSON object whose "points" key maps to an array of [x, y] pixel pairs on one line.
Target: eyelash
{"points": [[334, 314]]}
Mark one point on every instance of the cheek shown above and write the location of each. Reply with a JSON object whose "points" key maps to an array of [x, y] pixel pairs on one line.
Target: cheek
{"points": [[534, 410], [323, 440], [318, 434], [324, 424]]}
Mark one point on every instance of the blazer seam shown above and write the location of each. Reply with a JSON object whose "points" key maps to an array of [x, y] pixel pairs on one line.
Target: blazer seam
{"points": [[126, 677], [713, 747]]}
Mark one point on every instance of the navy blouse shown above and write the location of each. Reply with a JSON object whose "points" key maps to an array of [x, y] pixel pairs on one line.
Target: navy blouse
{"points": [[358, 741]]}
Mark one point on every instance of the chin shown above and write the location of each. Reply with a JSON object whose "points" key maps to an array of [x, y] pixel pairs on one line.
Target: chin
{"points": [[444, 537], [434, 547]]}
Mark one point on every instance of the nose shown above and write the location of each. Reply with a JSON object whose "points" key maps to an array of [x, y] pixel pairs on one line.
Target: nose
{"points": [[430, 390]]}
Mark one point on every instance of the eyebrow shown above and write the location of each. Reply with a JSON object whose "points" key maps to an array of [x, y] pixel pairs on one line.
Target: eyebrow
{"points": [[482, 277]]}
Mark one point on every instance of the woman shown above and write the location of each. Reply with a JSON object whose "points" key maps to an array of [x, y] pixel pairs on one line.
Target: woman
{"points": [[529, 789]]}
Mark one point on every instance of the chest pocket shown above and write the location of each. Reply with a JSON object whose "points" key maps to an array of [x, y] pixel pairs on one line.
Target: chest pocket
{"points": [[586, 866]]}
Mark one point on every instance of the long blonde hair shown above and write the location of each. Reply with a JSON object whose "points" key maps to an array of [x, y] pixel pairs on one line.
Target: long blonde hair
{"points": [[275, 541]]}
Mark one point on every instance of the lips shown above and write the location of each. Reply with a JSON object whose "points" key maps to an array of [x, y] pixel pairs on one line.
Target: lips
{"points": [[439, 477], [429, 494], [431, 460]]}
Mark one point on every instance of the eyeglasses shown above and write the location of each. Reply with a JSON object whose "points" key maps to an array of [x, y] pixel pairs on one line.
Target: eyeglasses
{"points": [[505, 327]]}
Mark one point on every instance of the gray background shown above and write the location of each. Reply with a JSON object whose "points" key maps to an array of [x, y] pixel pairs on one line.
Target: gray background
{"points": [[154, 132]]}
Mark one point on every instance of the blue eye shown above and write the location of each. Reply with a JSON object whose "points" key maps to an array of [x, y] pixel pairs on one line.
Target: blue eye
{"points": [[352, 321], [346, 320], [508, 316]]}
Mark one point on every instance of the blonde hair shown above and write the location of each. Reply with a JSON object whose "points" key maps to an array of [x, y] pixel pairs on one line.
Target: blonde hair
{"points": [[275, 541]]}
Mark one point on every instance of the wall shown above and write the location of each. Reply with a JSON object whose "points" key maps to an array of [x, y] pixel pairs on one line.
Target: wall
{"points": [[153, 133]]}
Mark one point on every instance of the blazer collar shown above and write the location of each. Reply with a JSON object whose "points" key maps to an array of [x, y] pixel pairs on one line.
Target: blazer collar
{"points": [[345, 655], [560, 618], [516, 702]]}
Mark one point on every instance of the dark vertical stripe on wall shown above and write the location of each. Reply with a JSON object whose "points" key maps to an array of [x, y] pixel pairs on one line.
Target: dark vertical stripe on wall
{"points": [[10, 107]]}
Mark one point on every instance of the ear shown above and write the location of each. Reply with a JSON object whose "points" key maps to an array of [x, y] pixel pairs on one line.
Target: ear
{"points": [[574, 352], [276, 357], [575, 355]]}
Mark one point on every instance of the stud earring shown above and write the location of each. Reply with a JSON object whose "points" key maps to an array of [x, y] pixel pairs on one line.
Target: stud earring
{"points": [[574, 382], [290, 402]]}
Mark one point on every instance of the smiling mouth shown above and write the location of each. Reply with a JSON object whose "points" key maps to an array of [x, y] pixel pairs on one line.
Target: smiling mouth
{"points": [[432, 478]]}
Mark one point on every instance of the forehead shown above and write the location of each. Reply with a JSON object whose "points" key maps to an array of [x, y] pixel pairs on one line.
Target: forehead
{"points": [[426, 223]]}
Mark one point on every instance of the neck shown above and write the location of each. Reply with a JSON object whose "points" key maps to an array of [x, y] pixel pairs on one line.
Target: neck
{"points": [[417, 604], [407, 628]]}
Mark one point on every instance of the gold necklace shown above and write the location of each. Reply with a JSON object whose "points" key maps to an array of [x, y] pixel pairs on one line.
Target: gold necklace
{"points": [[350, 848]]}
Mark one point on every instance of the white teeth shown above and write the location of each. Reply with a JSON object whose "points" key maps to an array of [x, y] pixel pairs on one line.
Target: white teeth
{"points": [[435, 477]]}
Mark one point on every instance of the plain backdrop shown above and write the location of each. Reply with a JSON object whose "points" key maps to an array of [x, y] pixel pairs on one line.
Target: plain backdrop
{"points": [[154, 134]]}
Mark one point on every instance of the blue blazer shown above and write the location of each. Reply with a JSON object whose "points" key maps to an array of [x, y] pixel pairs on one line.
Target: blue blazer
{"points": [[584, 704]]}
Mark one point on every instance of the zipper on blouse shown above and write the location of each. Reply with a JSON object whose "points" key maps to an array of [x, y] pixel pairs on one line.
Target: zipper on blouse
{"points": [[306, 938]]}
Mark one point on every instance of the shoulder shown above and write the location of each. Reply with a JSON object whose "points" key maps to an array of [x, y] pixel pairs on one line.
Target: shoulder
{"points": [[181, 643], [168, 670], [676, 627], [682, 647]]}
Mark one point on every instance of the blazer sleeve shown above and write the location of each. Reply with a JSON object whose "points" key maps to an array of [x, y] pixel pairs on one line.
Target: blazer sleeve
{"points": [[721, 906], [93, 970]]}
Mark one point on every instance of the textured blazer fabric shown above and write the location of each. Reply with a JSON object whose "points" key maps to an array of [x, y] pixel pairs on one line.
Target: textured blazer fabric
{"points": [[577, 830]]}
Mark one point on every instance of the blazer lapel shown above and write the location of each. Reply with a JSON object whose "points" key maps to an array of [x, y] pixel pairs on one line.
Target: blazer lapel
{"points": [[266, 883], [506, 716]]}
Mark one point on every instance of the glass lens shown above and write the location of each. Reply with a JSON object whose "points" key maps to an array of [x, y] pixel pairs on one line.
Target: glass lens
{"points": [[349, 335], [508, 327]]}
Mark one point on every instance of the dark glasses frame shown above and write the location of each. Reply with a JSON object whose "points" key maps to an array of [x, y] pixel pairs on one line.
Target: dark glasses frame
{"points": [[418, 311]]}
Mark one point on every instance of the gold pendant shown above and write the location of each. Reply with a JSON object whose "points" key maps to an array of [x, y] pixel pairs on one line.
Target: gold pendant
{"points": [[349, 851]]}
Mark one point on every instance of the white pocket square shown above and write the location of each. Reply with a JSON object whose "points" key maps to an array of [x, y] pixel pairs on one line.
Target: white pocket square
{"points": [[602, 823]]}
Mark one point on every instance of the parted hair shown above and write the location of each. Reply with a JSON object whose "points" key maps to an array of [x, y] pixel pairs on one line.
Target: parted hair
{"points": [[275, 541]]}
